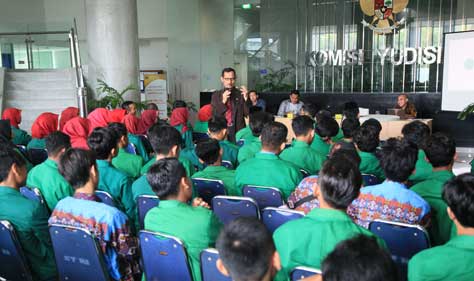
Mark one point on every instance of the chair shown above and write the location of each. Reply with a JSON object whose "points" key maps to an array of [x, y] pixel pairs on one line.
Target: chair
{"points": [[130, 148], [208, 266], [105, 198], [13, 263], [227, 164], [164, 257], [403, 240], [78, 256], [274, 217], [207, 188], [228, 208], [264, 196], [199, 136], [240, 142], [301, 272], [32, 194], [370, 179], [305, 173], [37, 155], [22, 150], [144, 204]]}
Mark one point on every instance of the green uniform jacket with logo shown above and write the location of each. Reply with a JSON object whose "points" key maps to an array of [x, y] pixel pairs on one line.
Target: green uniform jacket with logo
{"points": [[220, 173], [127, 163], [303, 156]]}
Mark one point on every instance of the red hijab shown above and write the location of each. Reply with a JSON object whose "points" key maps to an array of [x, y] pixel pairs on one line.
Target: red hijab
{"points": [[117, 115], [99, 117], [14, 115], [132, 124], [44, 125], [205, 113], [149, 117], [77, 129], [67, 115], [179, 116]]}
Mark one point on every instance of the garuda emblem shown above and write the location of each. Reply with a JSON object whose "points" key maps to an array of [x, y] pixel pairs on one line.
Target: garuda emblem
{"points": [[383, 13]]}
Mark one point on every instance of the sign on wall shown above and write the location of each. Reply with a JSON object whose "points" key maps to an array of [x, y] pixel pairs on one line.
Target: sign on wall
{"points": [[156, 91]]}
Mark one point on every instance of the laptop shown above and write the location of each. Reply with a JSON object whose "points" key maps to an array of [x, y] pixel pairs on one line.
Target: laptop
{"points": [[397, 111]]}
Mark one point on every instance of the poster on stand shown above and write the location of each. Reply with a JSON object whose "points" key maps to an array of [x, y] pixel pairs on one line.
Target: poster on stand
{"points": [[155, 89]]}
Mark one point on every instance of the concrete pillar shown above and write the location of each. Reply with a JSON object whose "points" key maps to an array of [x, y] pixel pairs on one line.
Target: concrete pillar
{"points": [[112, 41]]}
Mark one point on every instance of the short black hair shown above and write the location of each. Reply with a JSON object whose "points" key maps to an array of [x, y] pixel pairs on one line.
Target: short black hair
{"points": [[351, 109], [102, 141], [310, 108], [164, 177], [374, 123], [295, 92], [440, 149], [228, 69], [273, 135], [302, 125], [179, 104], [346, 149], [246, 248], [151, 106], [458, 193], [56, 141], [327, 127], [398, 159], [366, 138], [163, 137], [126, 104], [258, 120], [339, 181], [416, 132], [348, 126], [118, 128], [8, 157], [208, 151], [217, 124], [323, 113], [75, 165], [359, 258], [5, 129]]}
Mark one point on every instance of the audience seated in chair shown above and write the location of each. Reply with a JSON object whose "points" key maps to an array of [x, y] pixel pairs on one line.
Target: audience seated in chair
{"points": [[253, 144], [210, 153], [455, 259], [441, 152], [130, 107], [326, 129], [132, 123], [366, 139], [6, 141], [266, 168], [125, 162], [19, 136], [46, 176], [28, 217], [204, 114], [180, 120], [392, 200], [307, 241], [195, 225], [246, 251], [45, 124], [348, 127], [418, 133], [109, 225], [78, 130], [300, 153]]}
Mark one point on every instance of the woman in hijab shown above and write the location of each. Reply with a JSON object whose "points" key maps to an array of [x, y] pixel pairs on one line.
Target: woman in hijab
{"points": [[117, 115], [67, 115], [204, 114], [132, 123], [78, 129], [179, 120], [44, 125], [19, 136], [148, 118], [99, 117]]}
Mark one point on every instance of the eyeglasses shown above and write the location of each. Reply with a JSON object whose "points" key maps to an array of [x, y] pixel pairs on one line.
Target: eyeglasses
{"points": [[229, 79]]}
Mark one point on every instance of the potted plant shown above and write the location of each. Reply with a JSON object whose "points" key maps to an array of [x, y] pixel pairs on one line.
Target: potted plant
{"points": [[468, 110]]}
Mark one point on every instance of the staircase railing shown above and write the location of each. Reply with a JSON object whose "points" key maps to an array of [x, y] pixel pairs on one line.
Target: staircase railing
{"points": [[76, 64]]}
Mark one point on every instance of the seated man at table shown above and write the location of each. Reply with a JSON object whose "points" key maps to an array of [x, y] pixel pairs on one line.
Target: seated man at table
{"points": [[455, 259], [266, 168], [408, 110], [253, 145], [292, 105]]}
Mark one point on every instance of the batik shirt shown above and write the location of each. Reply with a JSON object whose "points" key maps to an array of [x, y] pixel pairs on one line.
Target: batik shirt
{"points": [[303, 190]]}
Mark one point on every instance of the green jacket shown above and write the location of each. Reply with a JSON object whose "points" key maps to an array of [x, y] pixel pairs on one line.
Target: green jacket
{"points": [[250, 148], [453, 261], [139, 146], [307, 241], [200, 127], [190, 154], [229, 153], [267, 169], [339, 136], [187, 136], [37, 143], [20, 136], [321, 147], [173, 218], [303, 156], [29, 166], [50, 182], [431, 190], [369, 164], [188, 166], [244, 134], [127, 163], [30, 220], [220, 173], [423, 168]]}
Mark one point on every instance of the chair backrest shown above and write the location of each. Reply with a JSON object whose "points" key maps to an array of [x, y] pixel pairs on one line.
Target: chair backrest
{"points": [[274, 217], [403, 240], [240, 142], [32, 194], [144, 204], [305, 173], [264, 196], [23, 150], [228, 208], [12, 260], [164, 257], [37, 155], [199, 136], [208, 266], [301, 272], [78, 256], [105, 198], [146, 143], [207, 188], [131, 148], [370, 180], [227, 164]]}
